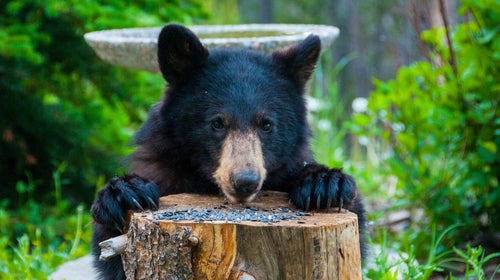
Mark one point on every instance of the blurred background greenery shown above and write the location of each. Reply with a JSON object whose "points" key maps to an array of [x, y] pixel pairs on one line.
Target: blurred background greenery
{"points": [[425, 146]]}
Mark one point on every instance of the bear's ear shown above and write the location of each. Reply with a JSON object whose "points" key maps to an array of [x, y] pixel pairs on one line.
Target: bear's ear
{"points": [[299, 61], [180, 53]]}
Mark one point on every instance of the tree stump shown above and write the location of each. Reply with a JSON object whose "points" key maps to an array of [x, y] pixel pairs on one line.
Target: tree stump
{"points": [[316, 245]]}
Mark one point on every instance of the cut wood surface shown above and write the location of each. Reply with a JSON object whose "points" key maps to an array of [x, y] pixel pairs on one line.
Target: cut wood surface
{"points": [[317, 245]]}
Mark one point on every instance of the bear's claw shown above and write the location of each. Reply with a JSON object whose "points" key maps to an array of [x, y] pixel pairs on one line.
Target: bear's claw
{"points": [[320, 187], [122, 194]]}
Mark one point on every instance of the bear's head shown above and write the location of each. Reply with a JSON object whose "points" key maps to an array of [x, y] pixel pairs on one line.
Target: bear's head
{"points": [[234, 117]]}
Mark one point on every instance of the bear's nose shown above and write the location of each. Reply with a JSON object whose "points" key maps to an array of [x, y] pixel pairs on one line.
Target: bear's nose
{"points": [[245, 182]]}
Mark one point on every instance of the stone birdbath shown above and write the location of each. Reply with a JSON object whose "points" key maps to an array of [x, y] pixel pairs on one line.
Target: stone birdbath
{"points": [[135, 48]]}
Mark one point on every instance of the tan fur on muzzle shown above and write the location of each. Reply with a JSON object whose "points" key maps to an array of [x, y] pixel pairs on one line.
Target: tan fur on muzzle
{"points": [[241, 152]]}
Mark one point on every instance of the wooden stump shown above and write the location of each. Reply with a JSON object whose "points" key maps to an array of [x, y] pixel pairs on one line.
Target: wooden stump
{"points": [[317, 246]]}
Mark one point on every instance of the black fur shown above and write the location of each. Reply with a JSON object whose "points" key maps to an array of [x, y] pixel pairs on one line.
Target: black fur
{"points": [[209, 95]]}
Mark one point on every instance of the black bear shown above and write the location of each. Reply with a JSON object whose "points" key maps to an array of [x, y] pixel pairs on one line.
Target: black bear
{"points": [[231, 122]]}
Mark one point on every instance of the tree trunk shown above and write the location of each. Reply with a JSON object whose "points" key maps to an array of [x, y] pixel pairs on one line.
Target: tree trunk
{"points": [[306, 246]]}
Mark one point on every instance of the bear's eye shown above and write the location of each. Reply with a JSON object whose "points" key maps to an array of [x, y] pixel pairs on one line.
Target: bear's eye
{"points": [[217, 123], [266, 126]]}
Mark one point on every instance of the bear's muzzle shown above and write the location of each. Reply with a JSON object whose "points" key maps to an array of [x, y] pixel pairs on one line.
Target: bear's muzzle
{"points": [[241, 170]]}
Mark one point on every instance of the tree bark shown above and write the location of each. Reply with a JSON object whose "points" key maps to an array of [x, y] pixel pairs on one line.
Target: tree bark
{"points": [[317, 246]]}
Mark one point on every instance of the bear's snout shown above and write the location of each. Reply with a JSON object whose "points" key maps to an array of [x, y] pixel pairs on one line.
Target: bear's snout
{"points": [[241, 170], [245, 183]]}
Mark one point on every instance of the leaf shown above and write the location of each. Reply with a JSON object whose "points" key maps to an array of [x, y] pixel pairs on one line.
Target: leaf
{"points": [[488, 34], [487, 151]]}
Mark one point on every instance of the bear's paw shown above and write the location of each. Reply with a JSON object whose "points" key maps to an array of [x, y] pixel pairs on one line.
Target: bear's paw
{"points": [[129, 192], [320, 187]]}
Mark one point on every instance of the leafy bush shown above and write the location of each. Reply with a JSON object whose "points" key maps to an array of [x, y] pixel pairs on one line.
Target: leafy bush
{"points": [[59, 103], [440, 122]]}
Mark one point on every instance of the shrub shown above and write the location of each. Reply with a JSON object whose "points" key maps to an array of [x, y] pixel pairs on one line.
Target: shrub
{"points": [[59, 103], [440, 121]]}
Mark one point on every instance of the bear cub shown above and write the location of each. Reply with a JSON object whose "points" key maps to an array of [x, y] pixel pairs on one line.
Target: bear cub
{"points": [[231, 122]]}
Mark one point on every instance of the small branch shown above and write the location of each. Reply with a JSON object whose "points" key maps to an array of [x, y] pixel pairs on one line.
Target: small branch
{"points": [[113, 247], [444, 16]]}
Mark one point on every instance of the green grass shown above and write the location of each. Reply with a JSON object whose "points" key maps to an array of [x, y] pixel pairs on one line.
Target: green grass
{"points": [[35, 238], [453, 263]]}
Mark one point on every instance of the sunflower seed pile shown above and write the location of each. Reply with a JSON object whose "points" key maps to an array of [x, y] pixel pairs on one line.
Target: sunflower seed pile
{"points": [[252, 214]]}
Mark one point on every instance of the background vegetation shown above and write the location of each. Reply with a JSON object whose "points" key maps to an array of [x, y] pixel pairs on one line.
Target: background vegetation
{"points": [[427, 143], [66, 121], [437, 125], [440, 120]]}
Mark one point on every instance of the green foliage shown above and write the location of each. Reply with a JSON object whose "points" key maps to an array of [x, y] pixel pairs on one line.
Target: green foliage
{"points": [[45, 245], [406, 266], [59, 102], [474, 259], [39, 237], [441, 123]]}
